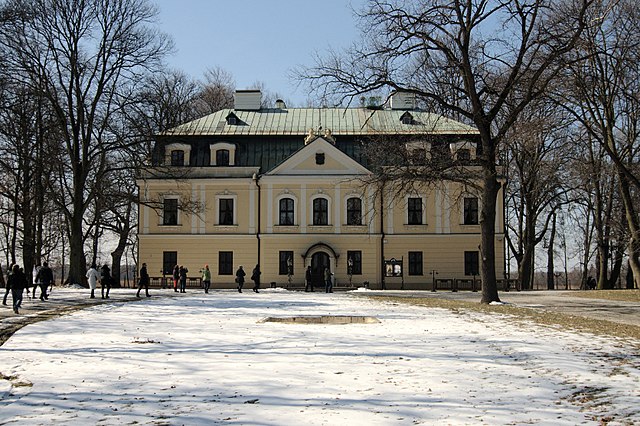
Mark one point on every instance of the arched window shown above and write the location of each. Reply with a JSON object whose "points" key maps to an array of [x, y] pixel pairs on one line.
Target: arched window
{"points": [[320, 211], [286, 211], [354, 211]]}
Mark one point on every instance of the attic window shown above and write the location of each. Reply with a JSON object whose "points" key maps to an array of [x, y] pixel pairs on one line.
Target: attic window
{"points": [[406, 118], [320, 158], [463, 154], [232, 119]]}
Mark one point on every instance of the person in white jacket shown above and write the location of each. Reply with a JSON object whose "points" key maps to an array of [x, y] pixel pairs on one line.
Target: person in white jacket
{"points": [[92, 277]]}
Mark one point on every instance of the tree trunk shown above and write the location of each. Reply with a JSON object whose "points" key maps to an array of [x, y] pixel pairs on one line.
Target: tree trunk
{"points": [[488, 229], [550, 265], [634, 229], [77, 267]]}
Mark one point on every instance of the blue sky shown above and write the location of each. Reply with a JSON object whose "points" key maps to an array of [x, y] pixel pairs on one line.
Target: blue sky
{"points": [[256, 40]]}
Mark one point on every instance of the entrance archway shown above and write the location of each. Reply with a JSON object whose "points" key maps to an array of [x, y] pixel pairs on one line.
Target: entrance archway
{"points": [[319, 261]]}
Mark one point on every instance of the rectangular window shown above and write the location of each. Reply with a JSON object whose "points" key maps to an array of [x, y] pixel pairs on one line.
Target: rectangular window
{"points": [[471, 263], [226, 211], [320, 211], [285, 263], [170, 212], [470, 211], [414, 208], [286, 211], [222, 157], [415, 263], [354, 262], [177, 158], [354, 211], [169, 261], [225, 263]]}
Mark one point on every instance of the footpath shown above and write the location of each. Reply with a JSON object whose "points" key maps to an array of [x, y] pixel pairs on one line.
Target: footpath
{"points": [[563, 301], [65, 300]]}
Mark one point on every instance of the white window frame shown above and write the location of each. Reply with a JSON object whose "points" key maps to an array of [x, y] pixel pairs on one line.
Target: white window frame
{"points": [[177, 147], [178, 216], [214, 147], [345, 211], [235, 209], [424, 209], [295, 209], [326, 197]]}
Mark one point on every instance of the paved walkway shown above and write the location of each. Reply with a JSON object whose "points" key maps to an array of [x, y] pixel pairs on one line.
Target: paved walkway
{"points": [[562, 301], [67, 300]]}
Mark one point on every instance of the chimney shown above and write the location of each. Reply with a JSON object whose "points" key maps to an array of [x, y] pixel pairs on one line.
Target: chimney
{"points": [[247, 100], [403, 100], [280, 104]]}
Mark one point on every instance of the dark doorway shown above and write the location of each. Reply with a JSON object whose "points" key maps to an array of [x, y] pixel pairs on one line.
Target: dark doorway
{"points": [[319, 261]]}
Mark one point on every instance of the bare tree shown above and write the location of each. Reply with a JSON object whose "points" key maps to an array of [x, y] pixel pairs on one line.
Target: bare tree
{"points": [[603, 98], [81, 56], [494, 56]]}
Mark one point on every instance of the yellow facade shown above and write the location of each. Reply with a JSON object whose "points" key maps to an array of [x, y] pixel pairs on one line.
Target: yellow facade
{"points": [[256, 235]]}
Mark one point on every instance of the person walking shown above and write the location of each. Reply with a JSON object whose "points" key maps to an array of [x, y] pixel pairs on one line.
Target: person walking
{"points": [[7, 289], [92, 278], [240, 278], [18, 283], [206, 278], [144, 280], [308, 277], [183, 279], [176, 277], [328, 285], [45, 278], [255, 277], [105, 280]]}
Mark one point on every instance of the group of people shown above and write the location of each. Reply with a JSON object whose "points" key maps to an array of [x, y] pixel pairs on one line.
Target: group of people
{"points": [[255, 277], [105, 280], [17, 283], [327, 277]]}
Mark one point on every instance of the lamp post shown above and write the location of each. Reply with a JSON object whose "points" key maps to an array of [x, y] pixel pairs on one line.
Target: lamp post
{"points": [[433, 279], [289, 269], [350, 270]]}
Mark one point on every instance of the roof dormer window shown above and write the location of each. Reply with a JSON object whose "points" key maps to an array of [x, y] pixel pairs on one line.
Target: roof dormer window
{"points": [[232, 119], [406, 118]]}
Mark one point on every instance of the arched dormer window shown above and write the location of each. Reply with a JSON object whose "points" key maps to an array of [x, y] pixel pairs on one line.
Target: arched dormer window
{"points": [[177, 154], [223, 154]]}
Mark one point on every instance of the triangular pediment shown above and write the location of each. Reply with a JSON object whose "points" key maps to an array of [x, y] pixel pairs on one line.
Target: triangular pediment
{"points": [[319, 157]]}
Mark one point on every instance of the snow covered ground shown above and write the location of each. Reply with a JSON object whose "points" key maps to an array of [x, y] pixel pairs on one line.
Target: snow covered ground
{"points": [[208, 359]]}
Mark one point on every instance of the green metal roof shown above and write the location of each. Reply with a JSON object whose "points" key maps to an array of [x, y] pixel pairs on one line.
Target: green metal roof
{"points": [[341, 121]]}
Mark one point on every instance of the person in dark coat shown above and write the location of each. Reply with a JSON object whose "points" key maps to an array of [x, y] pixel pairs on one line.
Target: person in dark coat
{"points": [[183, 279], [255, 277], [240, 278], [18, 283], [105, 280], [45, 278], [144, 280], [176, 277], [308, 277]]}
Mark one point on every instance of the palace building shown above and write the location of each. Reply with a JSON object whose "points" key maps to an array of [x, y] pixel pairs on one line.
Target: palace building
{"points": [[288, 188]]}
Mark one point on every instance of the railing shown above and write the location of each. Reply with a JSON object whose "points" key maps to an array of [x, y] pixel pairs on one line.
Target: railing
{"points": [[167, 282]]}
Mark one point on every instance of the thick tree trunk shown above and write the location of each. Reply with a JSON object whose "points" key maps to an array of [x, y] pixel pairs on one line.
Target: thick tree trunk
{"points": [[77, 267], [487, 245]]}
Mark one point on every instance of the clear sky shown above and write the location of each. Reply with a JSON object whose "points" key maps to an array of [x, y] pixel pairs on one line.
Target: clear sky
{"points": [[257, 40]]}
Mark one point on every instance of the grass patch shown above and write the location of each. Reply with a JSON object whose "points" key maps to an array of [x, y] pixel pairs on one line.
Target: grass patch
{"points": [[621, 295], [567, 322]]}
